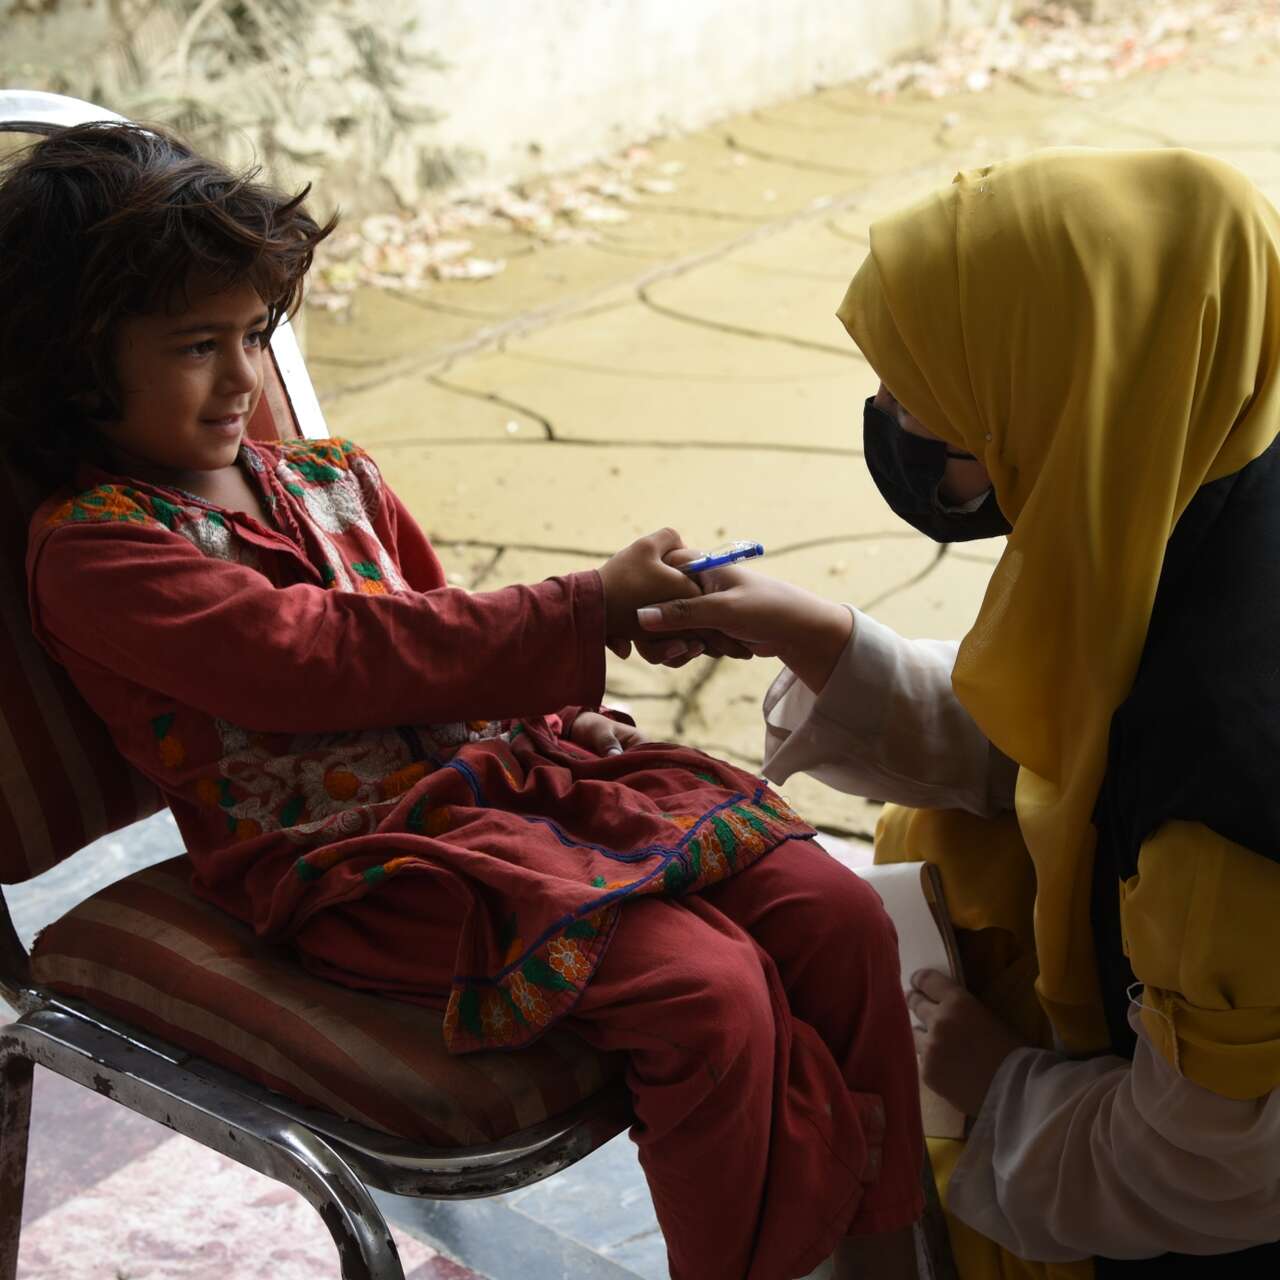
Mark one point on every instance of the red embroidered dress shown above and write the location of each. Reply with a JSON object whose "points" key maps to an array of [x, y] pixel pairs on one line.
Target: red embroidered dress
{"points": [[326, 717]]}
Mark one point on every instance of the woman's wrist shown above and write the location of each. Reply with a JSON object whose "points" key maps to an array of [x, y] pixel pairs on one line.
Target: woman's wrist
{"points": [[815, 645]]}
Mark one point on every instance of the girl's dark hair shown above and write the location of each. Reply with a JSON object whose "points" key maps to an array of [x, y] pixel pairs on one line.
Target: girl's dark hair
{"points": [[101, 222]]}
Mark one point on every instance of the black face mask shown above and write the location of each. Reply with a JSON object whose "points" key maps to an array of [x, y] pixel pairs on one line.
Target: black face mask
{"points": [[907, 470]]}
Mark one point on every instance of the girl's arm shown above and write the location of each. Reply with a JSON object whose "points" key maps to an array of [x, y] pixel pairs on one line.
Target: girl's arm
{"points": [[143, 603]]}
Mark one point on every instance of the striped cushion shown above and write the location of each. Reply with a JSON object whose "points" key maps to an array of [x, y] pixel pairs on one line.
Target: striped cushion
{"points": [[62, 783], [149, 951]]}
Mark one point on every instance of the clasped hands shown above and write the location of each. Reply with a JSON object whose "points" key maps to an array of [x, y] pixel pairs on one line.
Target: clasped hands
{"points": [[671, 618]]}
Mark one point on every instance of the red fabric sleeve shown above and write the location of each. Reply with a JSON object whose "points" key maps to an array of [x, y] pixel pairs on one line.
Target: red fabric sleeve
{"points": [[144, 604]]}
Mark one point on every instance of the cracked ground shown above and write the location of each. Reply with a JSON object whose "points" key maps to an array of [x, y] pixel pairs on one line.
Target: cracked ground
{"points": [[687, 368]]}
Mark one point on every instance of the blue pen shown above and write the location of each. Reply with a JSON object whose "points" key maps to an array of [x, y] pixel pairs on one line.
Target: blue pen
{"points": [[730, 554]]}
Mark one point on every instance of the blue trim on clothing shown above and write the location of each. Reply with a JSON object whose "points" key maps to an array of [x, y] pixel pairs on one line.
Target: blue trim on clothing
{"points": [[469, 774]]}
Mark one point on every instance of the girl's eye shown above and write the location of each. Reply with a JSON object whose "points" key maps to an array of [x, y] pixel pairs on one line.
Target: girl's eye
{"points": [[257, 338], [199, 348]]}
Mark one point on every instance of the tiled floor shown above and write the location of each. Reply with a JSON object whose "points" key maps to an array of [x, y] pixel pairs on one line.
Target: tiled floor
{"points": [[113, 1196]]}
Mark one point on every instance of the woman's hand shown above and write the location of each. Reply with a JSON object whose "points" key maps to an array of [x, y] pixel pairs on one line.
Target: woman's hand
{"points": [[769, 617], [602, 736], [960, 1043]]}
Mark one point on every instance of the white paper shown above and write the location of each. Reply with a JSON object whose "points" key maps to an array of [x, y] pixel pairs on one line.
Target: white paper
{"points": [[920, 946]]}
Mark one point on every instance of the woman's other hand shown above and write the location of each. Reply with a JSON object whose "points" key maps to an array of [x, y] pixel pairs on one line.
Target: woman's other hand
{"points": [[602, 736], [768, 617], [960, 1042]]}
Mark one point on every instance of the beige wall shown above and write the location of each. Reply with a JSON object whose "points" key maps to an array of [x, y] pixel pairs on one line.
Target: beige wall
{"points": [[530, 86], [537, 83]]}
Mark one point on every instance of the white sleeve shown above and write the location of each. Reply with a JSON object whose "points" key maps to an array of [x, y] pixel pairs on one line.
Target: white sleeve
{"points": [[1070, 1159], [887, 726]]}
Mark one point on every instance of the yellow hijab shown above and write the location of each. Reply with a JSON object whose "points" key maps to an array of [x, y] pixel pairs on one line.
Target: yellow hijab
{"points": [[1102, 329]]}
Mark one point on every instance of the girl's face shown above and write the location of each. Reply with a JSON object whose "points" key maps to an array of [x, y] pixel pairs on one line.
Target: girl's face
{"points": [[189, 382]]}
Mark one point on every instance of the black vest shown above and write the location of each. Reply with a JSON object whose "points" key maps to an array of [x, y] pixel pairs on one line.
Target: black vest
{"points": [[1197, 739]]}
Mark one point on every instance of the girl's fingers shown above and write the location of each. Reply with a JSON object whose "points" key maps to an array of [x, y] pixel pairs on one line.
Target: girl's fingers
{"points": [[629, 736], [664, 651], [688, 653]]}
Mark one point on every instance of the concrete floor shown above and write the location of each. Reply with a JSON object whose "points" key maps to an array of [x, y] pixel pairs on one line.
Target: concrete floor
{"points": [[685, 370]]}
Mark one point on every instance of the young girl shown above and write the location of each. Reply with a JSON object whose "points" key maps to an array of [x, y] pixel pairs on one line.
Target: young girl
{"points": [[414, 784], [1080, 350]]}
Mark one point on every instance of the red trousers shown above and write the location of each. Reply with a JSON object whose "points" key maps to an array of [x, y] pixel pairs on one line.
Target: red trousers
{"points": [[767, 1038]]}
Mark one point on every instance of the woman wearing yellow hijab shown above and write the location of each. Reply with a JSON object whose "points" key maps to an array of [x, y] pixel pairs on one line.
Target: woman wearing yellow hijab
{"points": [[1081, 349]]}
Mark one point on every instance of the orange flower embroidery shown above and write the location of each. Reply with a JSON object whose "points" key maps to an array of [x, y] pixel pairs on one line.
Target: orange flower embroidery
{"points": [[396, 784], [341, 784], [496, 1018], [565, 958], [714, 865], [438, 821], [208, 792], [746, 835], [529, 1001]]}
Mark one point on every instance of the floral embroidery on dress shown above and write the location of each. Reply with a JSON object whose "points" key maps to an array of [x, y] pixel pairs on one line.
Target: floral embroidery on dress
{"points": [[172, 753], [300, 781], [106, 502], [538, 985], [210, 534], [207, 530], [341, 489]]}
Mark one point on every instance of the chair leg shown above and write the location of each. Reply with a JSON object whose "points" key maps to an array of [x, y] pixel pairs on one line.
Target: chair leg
{"points": [[15, 1121], [366, 1250], [234, 1126]]}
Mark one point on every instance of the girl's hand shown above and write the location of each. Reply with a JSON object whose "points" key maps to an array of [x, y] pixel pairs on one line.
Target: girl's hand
{"points": [[603, 736], [638, 575], [769, 617], [962, 1043]]}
